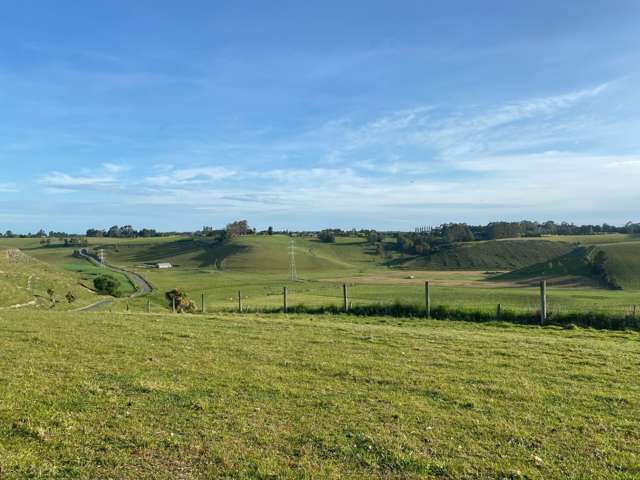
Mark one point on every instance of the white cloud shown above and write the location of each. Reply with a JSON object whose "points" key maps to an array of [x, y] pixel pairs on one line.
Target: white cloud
{"points": [[58, 179], [189, 176], [115, 167]]}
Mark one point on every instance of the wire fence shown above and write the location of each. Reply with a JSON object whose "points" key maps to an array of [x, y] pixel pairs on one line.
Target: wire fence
{"points": [[533, 306]]}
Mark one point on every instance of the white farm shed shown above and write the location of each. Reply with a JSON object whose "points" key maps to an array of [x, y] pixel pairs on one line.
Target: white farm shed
{"points": [[163, 265]]}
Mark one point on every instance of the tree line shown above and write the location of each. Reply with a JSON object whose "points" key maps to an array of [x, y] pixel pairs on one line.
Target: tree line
{"points": [[424, 241]]}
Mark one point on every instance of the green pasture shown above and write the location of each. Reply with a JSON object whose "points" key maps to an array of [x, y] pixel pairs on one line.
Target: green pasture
{"points": [[89, 272], [221, 396], [257, 266]]}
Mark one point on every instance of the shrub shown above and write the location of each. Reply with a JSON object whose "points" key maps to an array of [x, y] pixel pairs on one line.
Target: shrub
{"points": [[182, 301], [107, 284]]}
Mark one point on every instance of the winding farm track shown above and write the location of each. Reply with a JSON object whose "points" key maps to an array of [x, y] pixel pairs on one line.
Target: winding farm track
{"points": [[142, 286]]}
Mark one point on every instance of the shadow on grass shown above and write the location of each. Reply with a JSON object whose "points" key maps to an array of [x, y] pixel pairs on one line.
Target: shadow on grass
{"points": [[204, 254]]}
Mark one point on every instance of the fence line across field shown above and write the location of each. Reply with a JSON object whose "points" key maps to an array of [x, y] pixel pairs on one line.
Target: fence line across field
{"points": [[544, 310]]}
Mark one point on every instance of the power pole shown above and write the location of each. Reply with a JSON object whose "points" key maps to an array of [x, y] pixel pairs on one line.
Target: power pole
{"points": [[101, 256], [293, 275]]}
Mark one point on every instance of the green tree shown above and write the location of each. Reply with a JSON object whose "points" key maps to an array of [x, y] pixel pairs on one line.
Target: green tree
{"points": [[107, 284], [237, 228]]}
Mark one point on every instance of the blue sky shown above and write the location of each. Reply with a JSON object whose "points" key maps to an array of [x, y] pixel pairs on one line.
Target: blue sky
{"points": [[305, 115]]}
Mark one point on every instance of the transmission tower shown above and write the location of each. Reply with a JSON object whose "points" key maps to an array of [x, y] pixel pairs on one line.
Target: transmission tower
{"points": [[292, 261]]}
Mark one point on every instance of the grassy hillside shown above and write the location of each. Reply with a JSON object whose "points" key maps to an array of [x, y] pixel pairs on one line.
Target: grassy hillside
{"points": [[623, 263], [495, 254], [263, 254], [571, 268], [25, 280], [141, 397]]}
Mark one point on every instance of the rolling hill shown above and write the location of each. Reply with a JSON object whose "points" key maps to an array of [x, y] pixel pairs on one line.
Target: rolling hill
{"points": [[255, 254], [488, 255], [24, 282], [623, 263]]}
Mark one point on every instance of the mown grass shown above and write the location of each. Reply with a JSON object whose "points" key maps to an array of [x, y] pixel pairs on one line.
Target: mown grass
{"points": [[160, 396]]}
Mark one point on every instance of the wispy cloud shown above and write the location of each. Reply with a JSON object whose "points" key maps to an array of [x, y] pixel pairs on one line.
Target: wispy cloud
{"points": [[107, 177], [172, 176], [515, 159]]}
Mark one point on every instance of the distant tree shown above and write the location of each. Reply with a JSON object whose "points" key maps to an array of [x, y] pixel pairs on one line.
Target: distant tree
{"points": [[148, 232], [114, 231], [270, 231], [374, 237], [457, 232], [632, 227], [236, 229], [94, 232], [327, 236], [128, 231]]}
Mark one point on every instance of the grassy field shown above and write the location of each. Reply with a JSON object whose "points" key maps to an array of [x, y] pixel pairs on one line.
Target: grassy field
{"points": [[160, 396], [89, 272], [258, 267]]}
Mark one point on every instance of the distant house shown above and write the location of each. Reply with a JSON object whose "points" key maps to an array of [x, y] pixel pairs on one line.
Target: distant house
{"points": [[162, 265]]}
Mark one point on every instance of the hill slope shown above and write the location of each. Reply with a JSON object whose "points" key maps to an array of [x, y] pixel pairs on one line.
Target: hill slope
{"points": [[623, 264], [263, 254], [24, 282], [494, 254], [569, 269]]}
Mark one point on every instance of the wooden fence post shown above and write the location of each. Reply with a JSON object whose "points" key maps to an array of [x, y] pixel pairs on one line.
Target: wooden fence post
{"points": [[498, 312], [204, 305], [148, 305], [285, 305], [543, 301], [345, 297], [427, 300], [173, 304], [239, 302]]}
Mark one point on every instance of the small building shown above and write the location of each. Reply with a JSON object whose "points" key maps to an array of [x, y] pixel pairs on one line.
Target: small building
{"points": [[162, 265]]}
